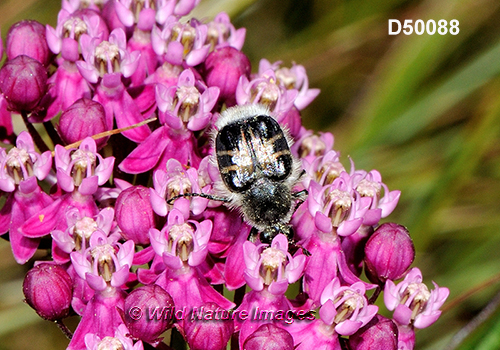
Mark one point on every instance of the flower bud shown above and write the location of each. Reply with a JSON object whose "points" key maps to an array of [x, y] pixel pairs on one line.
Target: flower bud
{"points": [[23, 81], [155, 307], [82, 119], [223, 69], [209, 329], [27, 37], [48, 289], [389, 253], [379, 333], [134, 214], [269, 337]]}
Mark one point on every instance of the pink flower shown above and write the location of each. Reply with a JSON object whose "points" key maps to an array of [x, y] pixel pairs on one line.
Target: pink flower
{"points": [[222, 33], [149, 297], [134, 214], [412, 302], [106, 63], [292, 78], [101, 321], [104, 263], [79, 169], [337, 206], [389, 253], [82, 119], [181, 42], [22, 165], [106, 57], [345, 307], [184, 109], [269, 336], [183, 246], [19, 170], [370, 185], [70, 27], [181, 242], [175, 181], [272, 268], [184, 106], [80, 229], [314, 149], [121, 340], [264, 89]]}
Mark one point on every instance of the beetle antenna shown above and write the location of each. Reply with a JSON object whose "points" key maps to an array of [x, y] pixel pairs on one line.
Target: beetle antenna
{"points": [[203, 195]]}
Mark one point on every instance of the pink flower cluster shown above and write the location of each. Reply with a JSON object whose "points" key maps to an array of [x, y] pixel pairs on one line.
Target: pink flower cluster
{"points": [[139, 90]]}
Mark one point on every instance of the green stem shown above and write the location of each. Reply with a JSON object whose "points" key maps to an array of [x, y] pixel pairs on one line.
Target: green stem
{"points": [[40, 144], [64, 329]]}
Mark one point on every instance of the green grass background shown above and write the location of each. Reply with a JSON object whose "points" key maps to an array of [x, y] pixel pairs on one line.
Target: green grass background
{"points": [[423, 110]]}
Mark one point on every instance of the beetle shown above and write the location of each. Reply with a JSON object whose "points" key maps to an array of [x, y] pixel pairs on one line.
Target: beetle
{"points": [[257, 171]]}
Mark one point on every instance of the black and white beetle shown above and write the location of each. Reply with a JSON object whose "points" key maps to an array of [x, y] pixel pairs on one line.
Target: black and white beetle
{"points": [[258, 171]]}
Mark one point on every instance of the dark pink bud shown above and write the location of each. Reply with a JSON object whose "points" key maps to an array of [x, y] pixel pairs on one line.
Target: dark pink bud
{"points": [[149, 311], [27, 37], [23, 81], [223, 69], [379, 333], [210, 328], [134, 214], [389, 253], [82, 119], [269, 337], [48, 289]]}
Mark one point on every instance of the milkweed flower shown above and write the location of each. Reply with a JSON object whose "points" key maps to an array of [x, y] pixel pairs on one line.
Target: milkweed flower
{"points": [[208, 334], [74, 122], [106, 63], [79, 230], [105, 267], [292, 78], [222, 33], [346, 308], [370, 185], [389, 253], [181, 42], [64, 38], [273, 267], [67, 85], [412, 302], [79, 175], [183, 110], [82, 169], [22, 165], [120, 340], [176, 181], [183, 246], [269, 271], [20, 168]]}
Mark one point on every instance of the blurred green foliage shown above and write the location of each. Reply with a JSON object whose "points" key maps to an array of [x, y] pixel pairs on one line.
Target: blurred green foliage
{"points": [[423, 110]]}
